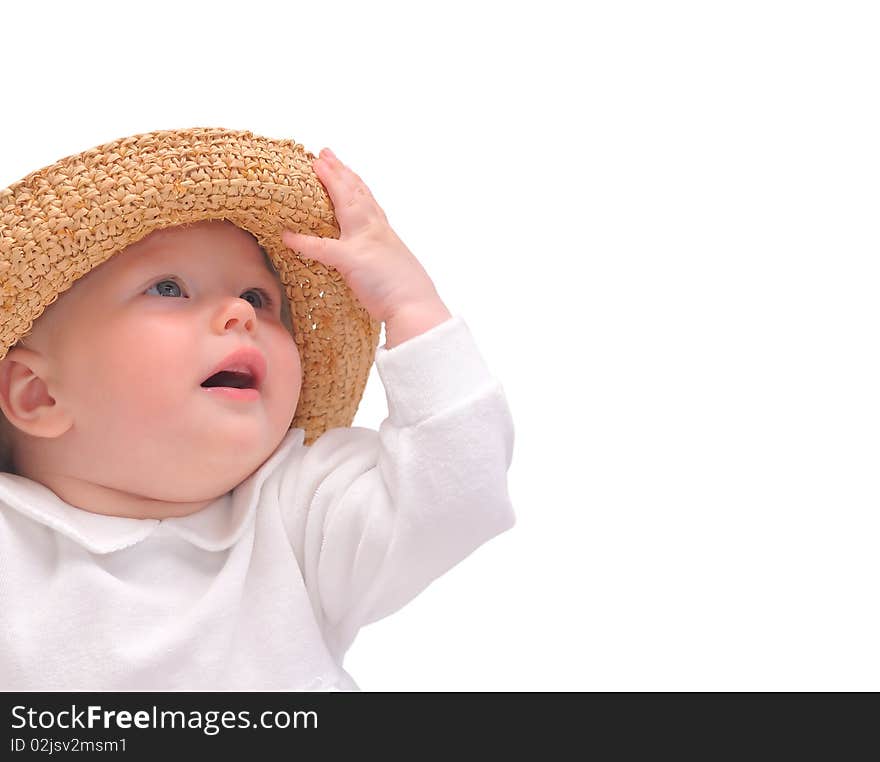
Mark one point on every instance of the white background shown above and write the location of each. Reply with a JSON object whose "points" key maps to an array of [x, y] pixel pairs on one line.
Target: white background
{"points": [[659, 221]]}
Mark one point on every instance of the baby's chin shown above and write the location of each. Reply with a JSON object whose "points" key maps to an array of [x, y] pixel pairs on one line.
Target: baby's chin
{"points": [[196, 489], [183, 499], [183, 486]]}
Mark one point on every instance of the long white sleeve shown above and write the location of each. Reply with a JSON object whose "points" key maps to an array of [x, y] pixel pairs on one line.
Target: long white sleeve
{"points": [[376, 516]]}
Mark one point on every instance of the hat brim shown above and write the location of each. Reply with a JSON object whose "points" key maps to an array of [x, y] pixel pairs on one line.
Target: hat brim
{"points": [[60, 222]]}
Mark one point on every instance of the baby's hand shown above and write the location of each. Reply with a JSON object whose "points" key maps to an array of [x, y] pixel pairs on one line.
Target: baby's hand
{"points": [[381, 271]]}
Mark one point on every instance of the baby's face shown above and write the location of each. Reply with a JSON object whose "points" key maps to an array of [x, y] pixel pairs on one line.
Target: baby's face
{"points": [[130, 345]]}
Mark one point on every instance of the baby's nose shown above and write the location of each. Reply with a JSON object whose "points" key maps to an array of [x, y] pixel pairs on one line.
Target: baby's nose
{"points": [[236, 313]]}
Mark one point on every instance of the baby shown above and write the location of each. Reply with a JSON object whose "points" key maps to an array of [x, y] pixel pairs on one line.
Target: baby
{"points": [[162, 526]]}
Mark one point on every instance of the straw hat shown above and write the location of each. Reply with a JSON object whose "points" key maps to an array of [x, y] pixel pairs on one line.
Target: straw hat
{"points": [[61, 221]]}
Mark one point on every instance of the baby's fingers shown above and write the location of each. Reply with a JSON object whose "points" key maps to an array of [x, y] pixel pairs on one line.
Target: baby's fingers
{"points": [[335, 168], [353, 202], [313, 247]]}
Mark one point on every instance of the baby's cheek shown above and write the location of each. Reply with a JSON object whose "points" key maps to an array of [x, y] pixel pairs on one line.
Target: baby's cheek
{"points": [[136, 400], [141, 370], [287, 382]]}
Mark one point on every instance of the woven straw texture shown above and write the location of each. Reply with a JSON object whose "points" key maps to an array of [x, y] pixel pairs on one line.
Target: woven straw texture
{"points": [[61, 221]]}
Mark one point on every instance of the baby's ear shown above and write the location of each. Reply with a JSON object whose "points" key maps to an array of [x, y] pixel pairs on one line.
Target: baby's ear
{"points": [[24, 395]]}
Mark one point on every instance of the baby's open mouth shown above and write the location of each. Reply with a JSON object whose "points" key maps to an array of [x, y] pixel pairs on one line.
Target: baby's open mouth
{"points": [[232, 379], [243, 369]]}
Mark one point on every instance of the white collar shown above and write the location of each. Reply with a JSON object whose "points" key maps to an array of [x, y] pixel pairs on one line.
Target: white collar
{"points": [[218, 526]]}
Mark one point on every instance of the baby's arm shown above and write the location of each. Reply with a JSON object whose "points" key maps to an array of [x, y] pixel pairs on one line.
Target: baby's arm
{"points": [[376, 516]]}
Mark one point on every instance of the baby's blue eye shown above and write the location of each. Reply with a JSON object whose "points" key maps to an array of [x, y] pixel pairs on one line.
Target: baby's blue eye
{"points": [[163, 290], [264, 299]]}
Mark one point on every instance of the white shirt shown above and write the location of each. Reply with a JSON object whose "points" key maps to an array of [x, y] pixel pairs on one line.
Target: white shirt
{"points": [[265, 588]]}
